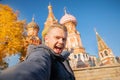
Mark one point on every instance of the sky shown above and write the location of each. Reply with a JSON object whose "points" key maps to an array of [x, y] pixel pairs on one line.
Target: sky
{"points": [[102, 15]]}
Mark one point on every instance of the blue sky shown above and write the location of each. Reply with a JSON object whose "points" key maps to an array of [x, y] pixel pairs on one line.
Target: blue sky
{"points": [[104, 15]]}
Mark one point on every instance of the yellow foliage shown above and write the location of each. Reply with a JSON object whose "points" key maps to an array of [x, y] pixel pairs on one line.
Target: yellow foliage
{"points": [[11, 30]]}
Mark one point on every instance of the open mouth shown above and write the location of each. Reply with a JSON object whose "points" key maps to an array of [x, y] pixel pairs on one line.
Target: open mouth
{"points": [[58, 49]]}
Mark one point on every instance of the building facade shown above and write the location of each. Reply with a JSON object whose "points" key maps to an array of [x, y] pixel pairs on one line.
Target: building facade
{"points": [[32, 30], [105, 54], [79, 57]]}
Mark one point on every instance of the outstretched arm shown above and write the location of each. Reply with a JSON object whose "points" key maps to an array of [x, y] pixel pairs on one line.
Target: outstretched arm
{"points": [[36, 67]]}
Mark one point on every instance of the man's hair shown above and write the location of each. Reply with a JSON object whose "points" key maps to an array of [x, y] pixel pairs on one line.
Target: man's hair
{"points": [[47, 29]]}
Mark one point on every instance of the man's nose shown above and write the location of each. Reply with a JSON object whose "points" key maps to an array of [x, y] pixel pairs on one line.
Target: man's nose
{"points": [[61, 40]]}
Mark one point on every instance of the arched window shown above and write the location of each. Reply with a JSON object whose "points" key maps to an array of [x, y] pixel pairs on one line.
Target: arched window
{"points": [[101, 54], [86, 56], [106, 54], [75, 56], [78, 55]]}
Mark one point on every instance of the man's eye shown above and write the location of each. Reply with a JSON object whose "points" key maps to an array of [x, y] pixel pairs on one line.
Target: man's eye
{"points": [[57, 37], [64, 39]]}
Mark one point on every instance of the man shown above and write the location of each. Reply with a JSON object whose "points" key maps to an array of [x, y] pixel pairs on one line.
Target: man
{"points": [[44, 62]]}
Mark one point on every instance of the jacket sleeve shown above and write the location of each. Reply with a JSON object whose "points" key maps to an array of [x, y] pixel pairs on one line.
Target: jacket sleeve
{"points": [[65, 54], [36, 67]]}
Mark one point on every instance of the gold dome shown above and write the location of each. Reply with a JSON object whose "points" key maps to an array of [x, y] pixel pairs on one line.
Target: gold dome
{"points": [[32, 24]]}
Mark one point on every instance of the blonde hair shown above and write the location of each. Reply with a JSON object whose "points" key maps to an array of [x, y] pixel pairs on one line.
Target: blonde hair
{"points": [[47, 29]]}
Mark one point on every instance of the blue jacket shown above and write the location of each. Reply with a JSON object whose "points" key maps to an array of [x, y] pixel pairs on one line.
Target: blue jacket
{"points": [[41, 64]]}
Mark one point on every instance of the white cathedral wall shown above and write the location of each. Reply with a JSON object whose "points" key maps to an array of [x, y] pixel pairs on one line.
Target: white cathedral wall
{"points": [[74, 59]]}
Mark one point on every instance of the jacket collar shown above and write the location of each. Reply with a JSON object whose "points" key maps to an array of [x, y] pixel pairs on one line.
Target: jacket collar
{"points": [[58, 57]]}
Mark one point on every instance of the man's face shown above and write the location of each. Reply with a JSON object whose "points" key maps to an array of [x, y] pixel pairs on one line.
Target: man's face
{"points": [[56, 40]]}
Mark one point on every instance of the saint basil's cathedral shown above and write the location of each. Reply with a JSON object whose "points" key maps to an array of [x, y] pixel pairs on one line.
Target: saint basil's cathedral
{"points": [[79, 57]]}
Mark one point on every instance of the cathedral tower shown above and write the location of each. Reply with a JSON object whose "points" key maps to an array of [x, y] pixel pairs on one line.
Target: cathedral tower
{"points": [[78, 58], [105, 53], [32, 33], [50, 19], [32, 30]]}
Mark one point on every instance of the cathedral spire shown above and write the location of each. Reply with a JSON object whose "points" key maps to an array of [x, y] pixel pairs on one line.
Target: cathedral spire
{"points": [[51, 18], [50, 7], [65, 10], [105, 53], [50, 14], [33, 19], [101, 44]]}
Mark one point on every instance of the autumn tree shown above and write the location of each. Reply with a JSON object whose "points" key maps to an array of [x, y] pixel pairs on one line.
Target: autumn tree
{"points": [[11, 33]]}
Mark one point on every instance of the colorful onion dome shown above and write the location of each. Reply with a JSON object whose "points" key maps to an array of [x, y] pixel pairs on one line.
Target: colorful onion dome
{"points": [[67, 17], [32, 24]]}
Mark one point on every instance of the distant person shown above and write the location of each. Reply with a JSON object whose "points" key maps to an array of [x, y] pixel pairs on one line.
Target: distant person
{"points": [[44, 62]]}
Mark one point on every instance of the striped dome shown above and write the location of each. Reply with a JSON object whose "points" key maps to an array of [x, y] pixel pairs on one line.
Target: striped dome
{"points": [[67, 18]]}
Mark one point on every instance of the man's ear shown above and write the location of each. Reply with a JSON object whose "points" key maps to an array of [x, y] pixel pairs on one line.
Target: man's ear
{"points": [[46, 38]]}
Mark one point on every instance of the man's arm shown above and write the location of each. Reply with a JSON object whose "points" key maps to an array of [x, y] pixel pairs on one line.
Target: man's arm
{"points": [[36, 67]]}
